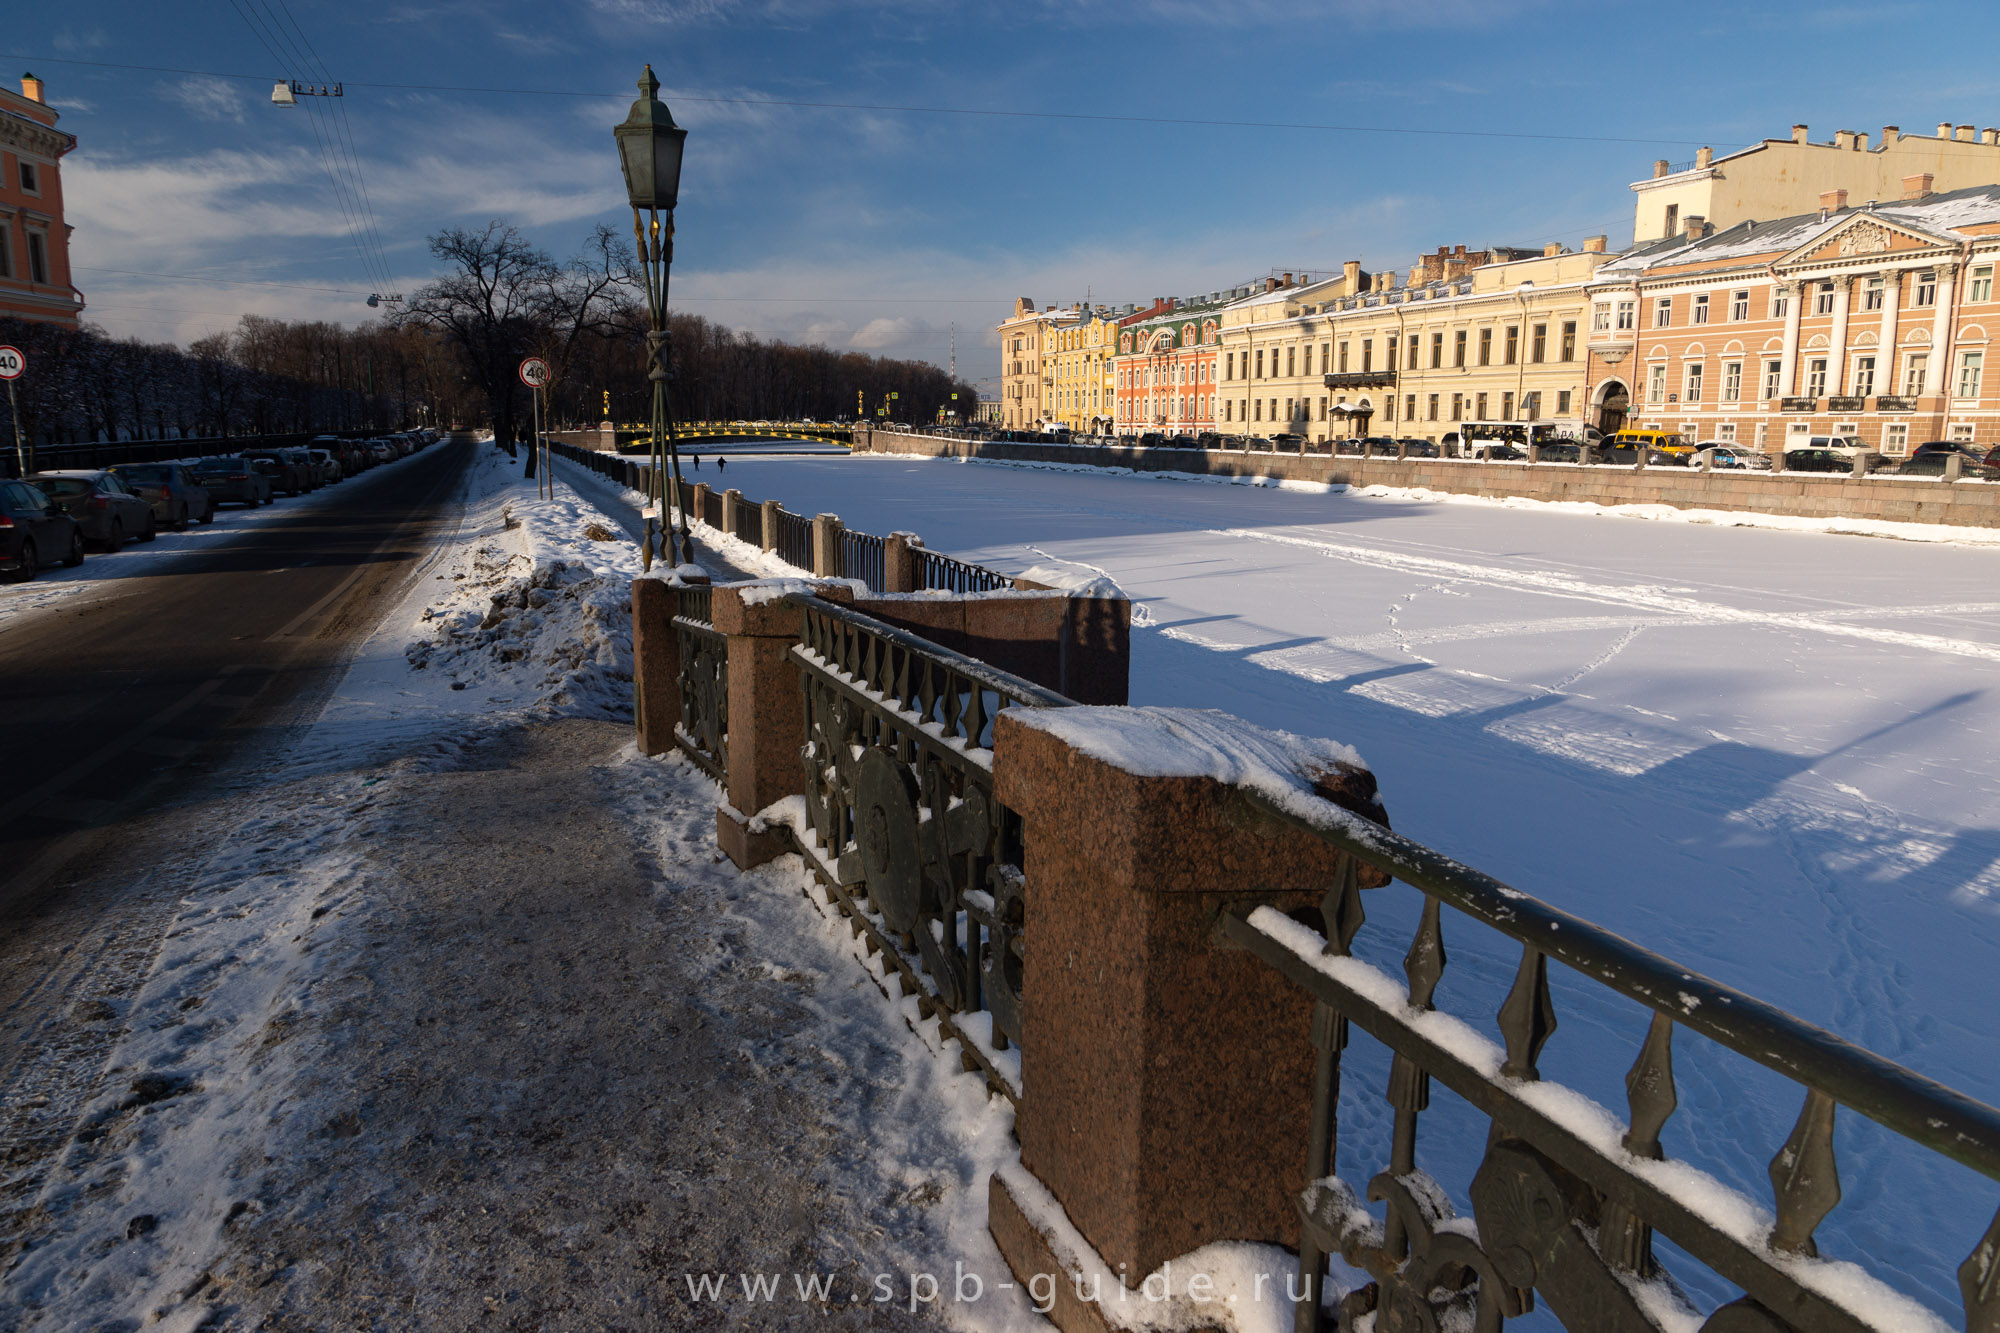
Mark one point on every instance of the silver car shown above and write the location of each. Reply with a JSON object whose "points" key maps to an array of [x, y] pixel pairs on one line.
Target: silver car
{"points": [[104, 507]]}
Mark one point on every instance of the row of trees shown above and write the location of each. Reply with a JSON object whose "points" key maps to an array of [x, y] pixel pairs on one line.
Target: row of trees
{"points": [[267, 376], [501, 299], [452, 354]]}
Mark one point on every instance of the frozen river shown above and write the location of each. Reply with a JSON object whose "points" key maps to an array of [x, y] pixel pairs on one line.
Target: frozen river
{"points": [[1767, 754]]}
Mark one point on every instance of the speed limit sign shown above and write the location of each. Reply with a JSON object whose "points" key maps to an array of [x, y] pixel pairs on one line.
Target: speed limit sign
{"points": [[535, 372], [12, 363]]}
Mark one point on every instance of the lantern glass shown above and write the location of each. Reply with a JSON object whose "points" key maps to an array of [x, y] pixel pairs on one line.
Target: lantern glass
{"points": [[649, 149]]}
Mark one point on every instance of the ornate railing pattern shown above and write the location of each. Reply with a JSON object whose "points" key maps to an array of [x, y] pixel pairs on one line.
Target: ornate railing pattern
{"points": [[1560, 1209], [941, 571], [795, 539], [862, 557], [711, 510], [750, 523], [910, 841], [704, 653]]}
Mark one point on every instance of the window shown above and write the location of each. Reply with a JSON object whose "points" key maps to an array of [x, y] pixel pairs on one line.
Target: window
{"points": [[1437, 353], [1732, 381], [1569, 341], [1260, 363], [1739, 305], [1961, 432], [1412, 357], [1673, 220], [1228, 410], [1258, 408], [1291, 362], [1389, 408], [1656, 384], [1816, 377], [31, 181], [1479, 408], [1367, 355], [1982, 284], [1698, 313], [1326, 357], [1600, 319], [1309, 359], [1627, 316], [1538, 344], [1562, 402], [1969, 366], [1434, 407], [1458, 348], [1343, 358], [38, 257], [1458, 407], [1926, 289], [1531, 406], [6, 254], [1774, 372], [1691, 390], [1896, 438], [1506, 407], [1913, 374], [1663, 312], [1410, 407], [1823, 299], [1513, 352], [1726, 432], [1871, 294], [1781, 301], [1864, 376]]}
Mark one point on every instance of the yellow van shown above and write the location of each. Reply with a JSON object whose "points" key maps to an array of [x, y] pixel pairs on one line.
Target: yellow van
{"points": [[1653, 441]]}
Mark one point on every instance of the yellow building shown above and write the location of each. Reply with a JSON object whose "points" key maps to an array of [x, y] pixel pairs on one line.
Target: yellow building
{"points": [[1782, 178], [1080, 385], [1027, 378]]}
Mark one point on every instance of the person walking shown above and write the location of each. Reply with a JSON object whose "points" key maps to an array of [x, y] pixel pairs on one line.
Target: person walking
{"points": [[721, 463], [697, 461]]}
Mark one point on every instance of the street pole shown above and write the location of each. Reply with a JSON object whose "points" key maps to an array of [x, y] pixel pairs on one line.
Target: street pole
{"points": [[656, 255], [14, 411]]}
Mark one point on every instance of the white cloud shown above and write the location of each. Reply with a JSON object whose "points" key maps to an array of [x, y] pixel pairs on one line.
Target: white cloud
{"points": [[208, 98]]}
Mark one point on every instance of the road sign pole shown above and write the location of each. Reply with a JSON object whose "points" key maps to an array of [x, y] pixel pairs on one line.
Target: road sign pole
{"points": [[14, 411]]}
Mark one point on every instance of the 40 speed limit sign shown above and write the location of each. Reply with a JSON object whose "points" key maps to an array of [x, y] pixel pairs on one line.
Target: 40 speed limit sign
{"points": [[535, 372], [12, 363]]}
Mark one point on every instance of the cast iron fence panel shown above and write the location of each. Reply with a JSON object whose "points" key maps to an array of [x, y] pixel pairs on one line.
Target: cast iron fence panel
{"points": [[704, 725], [795, 539], [750, 523], [1555, 1212], [711, 510], [862, 558], [941, 571], [899, 795]]}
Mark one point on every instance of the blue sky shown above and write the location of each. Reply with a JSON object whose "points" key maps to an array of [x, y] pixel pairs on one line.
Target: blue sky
{"points": [[878, 228]]}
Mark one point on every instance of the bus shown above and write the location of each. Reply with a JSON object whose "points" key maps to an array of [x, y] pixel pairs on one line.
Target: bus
{"points": [[1510, 439]]}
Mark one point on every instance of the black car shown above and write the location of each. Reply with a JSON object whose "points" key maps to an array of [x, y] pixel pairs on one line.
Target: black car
{"points": [[1419, 448], [34, 532], [233, 479], [290, 470], [102, 505], [1821, 460], [171, 489], [1929, 460]]}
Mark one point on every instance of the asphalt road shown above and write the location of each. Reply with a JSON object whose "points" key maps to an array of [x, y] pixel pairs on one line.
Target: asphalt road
{"points": [[129, 713]]}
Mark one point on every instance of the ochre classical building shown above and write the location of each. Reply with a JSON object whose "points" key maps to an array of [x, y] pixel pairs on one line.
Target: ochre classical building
{"points": [[34, 240], [1781, 178], [1026, 372], [1080, 382], [1869, 322]]}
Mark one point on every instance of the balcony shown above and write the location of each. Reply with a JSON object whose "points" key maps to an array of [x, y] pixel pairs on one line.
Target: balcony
{"points": [[1798, 404], [1847, 404], [1888, 403], [1612, 346], [1361, 379]]}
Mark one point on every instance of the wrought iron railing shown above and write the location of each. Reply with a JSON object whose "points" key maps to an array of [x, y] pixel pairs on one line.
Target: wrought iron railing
{"points": [[750, 523], [795, 539], [862, 557], [941, 571], [1566, 1203], [905, 831], [704, 653], [711, 510]]}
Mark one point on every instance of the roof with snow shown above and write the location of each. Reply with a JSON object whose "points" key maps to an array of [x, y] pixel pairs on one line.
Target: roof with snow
{"points": [[1941, 215]]}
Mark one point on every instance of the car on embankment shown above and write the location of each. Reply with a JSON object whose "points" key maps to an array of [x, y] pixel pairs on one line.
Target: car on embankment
{"points": [[34, 532], [1736, 456], [177, 498], [232, 478], [102, 505]]}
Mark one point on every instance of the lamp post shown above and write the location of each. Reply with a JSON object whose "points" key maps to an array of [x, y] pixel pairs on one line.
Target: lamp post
{"points": [[649, 150]]}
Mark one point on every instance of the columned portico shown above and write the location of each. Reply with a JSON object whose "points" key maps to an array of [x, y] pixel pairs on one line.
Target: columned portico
{"points": [[1788, 356], [1892, 309], [1843, 295]]}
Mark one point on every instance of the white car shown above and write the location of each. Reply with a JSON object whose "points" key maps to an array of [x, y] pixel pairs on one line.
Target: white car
{"points": [[1736, 456]]}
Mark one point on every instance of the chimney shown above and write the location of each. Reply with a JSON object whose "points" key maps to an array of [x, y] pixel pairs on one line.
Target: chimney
{"points": [[1860, 143], [1270, 284], [1798, 134], [1287, 282], [1989, 136], [1350, 277], [1696, 226], [31, 88], [1944, 129], [1703, 156], [1552, 249], [1843, 139], [1890, 133], [1833, 200], [1458, 252], [1594, 245], [1918, 186], [1660, 166], [1964, 134]]}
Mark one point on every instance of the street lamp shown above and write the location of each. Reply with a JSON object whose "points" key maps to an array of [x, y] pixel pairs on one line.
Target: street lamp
{"points": [[649, 150]]}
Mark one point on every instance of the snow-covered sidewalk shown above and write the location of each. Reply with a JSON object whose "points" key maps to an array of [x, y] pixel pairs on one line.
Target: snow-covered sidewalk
{"points": [[468, 1020]]}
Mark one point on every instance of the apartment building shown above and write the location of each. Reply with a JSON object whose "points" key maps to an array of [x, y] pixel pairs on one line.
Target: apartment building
{"points": [[1165, 371], [1868, 321], [1027, 384], [1081, 386], [1780, 178], [34, 239]]}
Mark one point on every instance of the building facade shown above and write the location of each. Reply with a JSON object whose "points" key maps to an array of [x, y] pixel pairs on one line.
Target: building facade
{"points": [[1025, 380], [1080, 386], [1781, 178], [1868, 322], [1164, 372], [34, 240]]}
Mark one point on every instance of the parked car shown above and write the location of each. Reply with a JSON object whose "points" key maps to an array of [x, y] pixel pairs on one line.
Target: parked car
{"points": [[1929, 460], [1562, 451], [1417, 448], [1818, 460], [327, 465], [232, 478], [1286, 442], [172, 490], [288, 472], [102, 505], [34, 531], [381, 451], [1845, 445], [1736, 456], [1498, 451]]}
